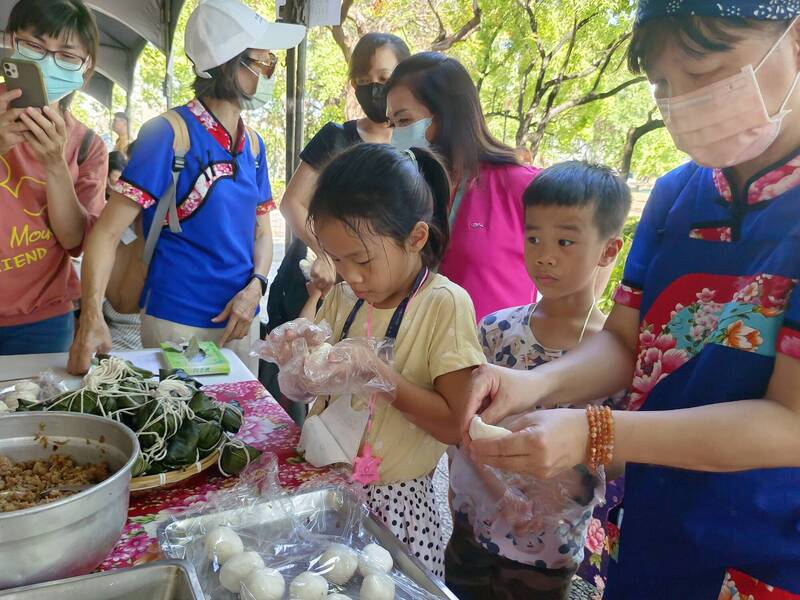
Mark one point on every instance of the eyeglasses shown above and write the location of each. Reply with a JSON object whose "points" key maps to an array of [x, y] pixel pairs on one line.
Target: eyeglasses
{"points": [[265, 68], [65, 60]]}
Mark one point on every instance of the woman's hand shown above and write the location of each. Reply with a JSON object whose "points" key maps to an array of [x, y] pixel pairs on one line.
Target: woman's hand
{"points": [[92, 337], [323, 274], [46, 135], [497, 392], [11, 129], [544, 444], [239, 313]]}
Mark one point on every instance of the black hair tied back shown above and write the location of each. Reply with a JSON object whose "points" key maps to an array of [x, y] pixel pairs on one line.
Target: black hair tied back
{"points": [[386, 191]]}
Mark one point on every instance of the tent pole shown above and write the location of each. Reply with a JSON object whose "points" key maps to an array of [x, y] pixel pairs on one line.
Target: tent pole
{"points": [[166, 21]]}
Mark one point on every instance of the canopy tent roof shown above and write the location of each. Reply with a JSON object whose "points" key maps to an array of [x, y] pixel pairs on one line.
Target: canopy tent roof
{"points": [[125, 28]]}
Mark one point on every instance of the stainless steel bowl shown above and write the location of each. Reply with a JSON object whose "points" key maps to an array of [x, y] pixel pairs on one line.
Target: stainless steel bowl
{"points": [[74, 535]]}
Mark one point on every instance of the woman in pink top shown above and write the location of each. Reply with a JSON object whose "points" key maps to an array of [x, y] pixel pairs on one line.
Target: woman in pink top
{"points": [[52, 179], [432, 102]]}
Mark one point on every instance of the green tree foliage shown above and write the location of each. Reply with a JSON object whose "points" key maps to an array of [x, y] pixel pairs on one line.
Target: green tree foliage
{"points": [[551, 73]]}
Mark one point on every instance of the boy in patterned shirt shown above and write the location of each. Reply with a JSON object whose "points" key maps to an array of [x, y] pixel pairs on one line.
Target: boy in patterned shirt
{"points": [[574, 213]]}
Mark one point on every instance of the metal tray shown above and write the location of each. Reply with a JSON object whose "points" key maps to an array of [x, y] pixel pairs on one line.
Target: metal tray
{"points": [[328, 507], [165, 580]]}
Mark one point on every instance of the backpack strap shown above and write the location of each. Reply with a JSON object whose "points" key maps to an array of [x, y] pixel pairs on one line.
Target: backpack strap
{"points": [[86, 143], [255, 148], [167, 204]]}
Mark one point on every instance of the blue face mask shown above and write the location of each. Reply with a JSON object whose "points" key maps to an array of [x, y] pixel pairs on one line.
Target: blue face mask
{"points": [[58, 82], [412, 136]]}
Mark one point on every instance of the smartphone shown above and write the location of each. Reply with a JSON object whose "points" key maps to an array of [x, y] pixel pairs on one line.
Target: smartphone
{"points": [[24, 75]]}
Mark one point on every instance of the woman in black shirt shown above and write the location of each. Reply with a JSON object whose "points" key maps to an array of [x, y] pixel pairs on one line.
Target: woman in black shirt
{"points": [[374, 58]]}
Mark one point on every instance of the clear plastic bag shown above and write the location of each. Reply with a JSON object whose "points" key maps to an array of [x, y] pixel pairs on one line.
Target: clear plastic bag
{"points": [[257, 536], [533, 511], [29, 392], [309, 366]]}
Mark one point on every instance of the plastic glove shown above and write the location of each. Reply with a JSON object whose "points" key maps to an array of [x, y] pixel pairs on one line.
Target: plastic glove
{"points": [[291, 340], [353, 366]]}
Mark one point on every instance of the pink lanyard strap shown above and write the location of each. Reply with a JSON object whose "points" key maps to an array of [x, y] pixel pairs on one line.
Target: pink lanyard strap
{"points": [[366, 466]]}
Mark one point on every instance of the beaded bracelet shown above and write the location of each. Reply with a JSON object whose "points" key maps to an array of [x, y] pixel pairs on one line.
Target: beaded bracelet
{"points": [[600, 447]]}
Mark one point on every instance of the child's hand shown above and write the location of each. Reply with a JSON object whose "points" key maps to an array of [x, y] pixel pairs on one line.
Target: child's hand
{"points": [[517, 510], [293, 339], [315, 292]]}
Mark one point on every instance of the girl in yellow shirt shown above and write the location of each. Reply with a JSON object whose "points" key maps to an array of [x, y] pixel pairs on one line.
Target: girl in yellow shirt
{"points": [[381, 215]]}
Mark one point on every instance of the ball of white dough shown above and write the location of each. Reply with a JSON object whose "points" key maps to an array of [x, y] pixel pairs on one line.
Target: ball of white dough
{"points": [[375, 559], [308, 586], [377, 586], [338, 597], [222, 543], [339, 563], [265, 584], [478, 430], [318, 358], [237, 568]]}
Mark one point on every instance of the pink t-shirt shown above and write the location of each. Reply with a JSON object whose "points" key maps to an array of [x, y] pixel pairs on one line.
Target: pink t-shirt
{"points": [[37, 280], [486, 253]]}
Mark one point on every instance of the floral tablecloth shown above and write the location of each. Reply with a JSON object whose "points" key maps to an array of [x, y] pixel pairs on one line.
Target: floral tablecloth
{"points": [[266, 427]]}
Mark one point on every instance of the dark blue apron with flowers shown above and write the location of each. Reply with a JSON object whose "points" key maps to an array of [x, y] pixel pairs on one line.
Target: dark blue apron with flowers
{"points": [[713, 278]]}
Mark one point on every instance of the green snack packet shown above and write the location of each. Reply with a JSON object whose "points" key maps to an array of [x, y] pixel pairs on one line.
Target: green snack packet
{"points": [[199, 358]]}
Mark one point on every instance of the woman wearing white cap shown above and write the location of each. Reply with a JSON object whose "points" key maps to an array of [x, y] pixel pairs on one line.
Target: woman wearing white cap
{"points": [[208, 271]]}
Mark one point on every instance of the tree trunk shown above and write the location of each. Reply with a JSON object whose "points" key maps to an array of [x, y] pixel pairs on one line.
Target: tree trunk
{"points": [[634, 135], [535, 140]]}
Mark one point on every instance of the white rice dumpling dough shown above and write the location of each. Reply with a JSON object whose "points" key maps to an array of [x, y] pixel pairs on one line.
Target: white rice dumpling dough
{"points": [[375, 559], [338, 563], [377, 586], [265, 584], [317, 359], [223, 543], [308, 586], [478, 430], [237, 568]]}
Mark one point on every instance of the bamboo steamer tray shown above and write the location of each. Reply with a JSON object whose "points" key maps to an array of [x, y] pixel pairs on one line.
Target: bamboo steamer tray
{"points": [[169, 479]]}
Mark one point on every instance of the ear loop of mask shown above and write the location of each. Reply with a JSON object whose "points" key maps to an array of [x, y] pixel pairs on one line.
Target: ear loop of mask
{"points": [[665, 107], [782, 110]]}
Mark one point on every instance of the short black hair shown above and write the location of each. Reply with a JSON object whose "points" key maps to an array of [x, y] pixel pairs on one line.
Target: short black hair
{"points": [[224, 82], [121, 115], [361, 57], [117, 161], [387, 191], [697, 35], [578, 184], [54, 17]]}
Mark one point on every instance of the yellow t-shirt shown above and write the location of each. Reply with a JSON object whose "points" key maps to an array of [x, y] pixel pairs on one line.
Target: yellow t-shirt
{"points": [[437, 336]]}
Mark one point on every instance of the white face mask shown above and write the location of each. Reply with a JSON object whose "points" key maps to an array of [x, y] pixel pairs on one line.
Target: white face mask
{"points": [[726, 123], [263, 93], [412, 136]]}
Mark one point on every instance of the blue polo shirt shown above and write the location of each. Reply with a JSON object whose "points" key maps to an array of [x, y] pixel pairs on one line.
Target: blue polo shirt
{"points": [[220, 191], [713, 273]]}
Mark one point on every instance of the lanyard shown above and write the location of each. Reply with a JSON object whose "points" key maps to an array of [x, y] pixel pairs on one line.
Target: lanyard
{"points": [[456, 205], [399, 313], [366, 466]]}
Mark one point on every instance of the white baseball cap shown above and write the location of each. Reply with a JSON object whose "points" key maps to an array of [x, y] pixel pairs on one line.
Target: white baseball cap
{"points": [[218, 30]]}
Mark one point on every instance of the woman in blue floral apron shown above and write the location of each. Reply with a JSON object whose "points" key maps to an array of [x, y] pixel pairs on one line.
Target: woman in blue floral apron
{"points": [[706, 327]]}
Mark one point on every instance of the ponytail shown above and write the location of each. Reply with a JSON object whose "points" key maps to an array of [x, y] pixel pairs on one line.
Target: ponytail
{"points": [[434, 174], [389, 191]]}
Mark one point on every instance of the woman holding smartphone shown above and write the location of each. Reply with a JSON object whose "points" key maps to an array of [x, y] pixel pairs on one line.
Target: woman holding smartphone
{"points": [[52, 178]]}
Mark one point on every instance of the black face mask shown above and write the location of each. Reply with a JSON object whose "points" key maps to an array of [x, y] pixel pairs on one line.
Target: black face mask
{"points": [[372, 98]]}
